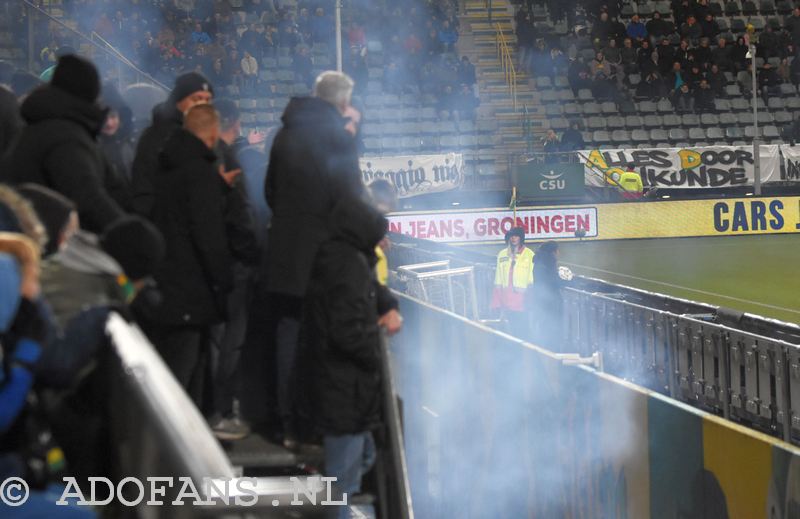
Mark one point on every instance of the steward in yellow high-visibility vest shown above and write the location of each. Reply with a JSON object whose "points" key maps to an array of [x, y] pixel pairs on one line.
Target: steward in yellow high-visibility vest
{"points": [[513, 277], [631, 184]]}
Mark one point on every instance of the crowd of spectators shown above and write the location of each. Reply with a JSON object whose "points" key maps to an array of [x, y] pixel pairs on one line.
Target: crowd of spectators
{"points": [[228, 41], [683, 56]]}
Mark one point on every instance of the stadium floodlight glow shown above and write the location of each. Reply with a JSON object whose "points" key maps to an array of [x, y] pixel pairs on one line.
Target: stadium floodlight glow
{"points": [[664, 196], [456, 203]]}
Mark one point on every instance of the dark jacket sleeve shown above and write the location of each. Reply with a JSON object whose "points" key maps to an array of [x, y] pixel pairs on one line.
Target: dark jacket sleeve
{"points": [[351, 327], [386, 301], [207, 227], [144, 166], [71, 172], [117, 185], [240, 226]]}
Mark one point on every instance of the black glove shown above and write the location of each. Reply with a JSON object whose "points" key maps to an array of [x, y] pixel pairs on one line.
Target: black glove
{"points": [[29, 322]]}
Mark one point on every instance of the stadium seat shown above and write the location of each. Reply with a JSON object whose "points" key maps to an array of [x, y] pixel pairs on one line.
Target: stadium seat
{"points": [[446, 127], [738, 25], [488, 140], [549, 96], [591, 108], [733, 90], [678, 134], [672, 120], [264, 118], [601, 137], [553, 109], [749, 132], [771, 132], [690, 120], [615, 122], [696, 134], [658, 135], [391, 129], [467, 141], [627, 11], [727, 119], [709, 120], [427, 114], [765, 118], [596, 123], [608, 107], [787, 89], [573, 109], [466, 126], [410, 128], [776, 103], [716, 9], [390, 143], [653, 121], [793, 103], [247, 104], [646, 10], [621, 137], [544, 83], [784, 7], [565, 95], [487, 125], [733, 133], [665, 107], [663, 7], [448, 142], [247, 118], [714, 134], [559, 124], [429, 142], [647, 107], [758, 24], [722, 105], [640, 136], [740, 105], [782, 118], [372, 145], [744, 119], [633, 121], [584, 94], [562, 82], [732, 8], [749, 8]]}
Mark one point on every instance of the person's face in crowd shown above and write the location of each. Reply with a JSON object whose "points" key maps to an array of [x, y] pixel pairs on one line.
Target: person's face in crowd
{"points": [[612, 43], [217, 65], [201, 97], [709, 17], [551, 135], [627, 43], [704, 84], [197, 28], [714, 69], [704, 43], [656, 15], [684, 44], [722, 42], [645, 44], [111, 125], [665, 42], [514, 241], [676, 67], [599, 57], [685, 88], [353, 117], [604, 17], [797, 11], [635, 18], [320, 11]]}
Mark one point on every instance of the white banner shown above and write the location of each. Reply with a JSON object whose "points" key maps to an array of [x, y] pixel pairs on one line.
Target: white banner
{"points": [[694, 168], [414, 175], [791, 157], [493, 224]]}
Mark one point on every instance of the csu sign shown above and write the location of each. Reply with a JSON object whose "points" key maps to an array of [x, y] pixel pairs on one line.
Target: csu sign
{"points": [[536, 181]]}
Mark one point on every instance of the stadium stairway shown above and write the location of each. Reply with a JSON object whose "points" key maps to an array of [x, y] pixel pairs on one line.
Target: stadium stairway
{"points": [[479, 42]]}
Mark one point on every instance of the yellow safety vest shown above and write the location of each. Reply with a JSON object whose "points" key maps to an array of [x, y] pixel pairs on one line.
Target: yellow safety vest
{"points": [[631, 182], [381, 267], [523, 269]]}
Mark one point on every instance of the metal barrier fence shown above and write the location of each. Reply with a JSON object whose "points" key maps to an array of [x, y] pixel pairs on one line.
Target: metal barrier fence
{"points": [[748, 372], [496, 427]]}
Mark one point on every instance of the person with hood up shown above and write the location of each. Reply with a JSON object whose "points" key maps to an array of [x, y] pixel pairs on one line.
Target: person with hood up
{"points": [[346, 308], [313, 164], [512, 280], [190, 89], [195, 276], [116, 136], [58, 147]]}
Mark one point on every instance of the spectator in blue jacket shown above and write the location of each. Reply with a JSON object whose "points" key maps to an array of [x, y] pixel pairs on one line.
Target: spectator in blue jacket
{"points": [[636, 29], [447, 36], [199, 36]]}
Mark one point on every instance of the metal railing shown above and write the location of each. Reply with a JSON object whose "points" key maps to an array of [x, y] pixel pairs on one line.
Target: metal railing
{"points": [[507, 63], [742, 367]]}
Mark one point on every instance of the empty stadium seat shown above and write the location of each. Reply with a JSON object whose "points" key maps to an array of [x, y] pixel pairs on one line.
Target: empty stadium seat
{"points": [[601, 137], [584, 94], [596, 123], [544, 82], [665, 107], [565, 95], [621, 136], [782, 118], [647, 107], [608, 107], [678, 134], [745, 119], [771, 132], [640, 136], [733, 90], [727, 119], [633, 121], [591, 108], [715, 134], [559, 124], [733, 133], [448, 142], [671, 120], [697, 134], [690, 120], [467, 141], [658, 135], [487, 125], [740, 105], [573, 109], [749, 132], [709, 120], [653, 121]]}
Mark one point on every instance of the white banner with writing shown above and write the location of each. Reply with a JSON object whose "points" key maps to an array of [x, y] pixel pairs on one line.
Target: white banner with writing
{"points": [[682, 168], [414, 175], [791, 159]]}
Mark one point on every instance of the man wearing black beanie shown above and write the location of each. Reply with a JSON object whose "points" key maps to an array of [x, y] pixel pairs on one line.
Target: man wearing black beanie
{"points": [[58, 147], [190, 89]]}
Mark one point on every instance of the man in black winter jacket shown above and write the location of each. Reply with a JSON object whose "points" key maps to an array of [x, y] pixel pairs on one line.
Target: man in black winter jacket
{"points": [[342, 331], [58, 147], [196, 275], [190, 90], [313, 164]]}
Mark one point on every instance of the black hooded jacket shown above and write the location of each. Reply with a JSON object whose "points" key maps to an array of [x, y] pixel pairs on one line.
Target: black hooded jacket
{"points": [[343, 304], [58, 149], [166, 119], [196, 275], [313, 164]]}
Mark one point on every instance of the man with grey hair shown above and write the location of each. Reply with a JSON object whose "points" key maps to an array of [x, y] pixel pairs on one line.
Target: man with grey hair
{"points": [[313, 164]]}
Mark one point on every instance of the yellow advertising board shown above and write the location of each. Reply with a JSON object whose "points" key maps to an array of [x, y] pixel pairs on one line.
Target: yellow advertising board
{"points": [[652, 219]]}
